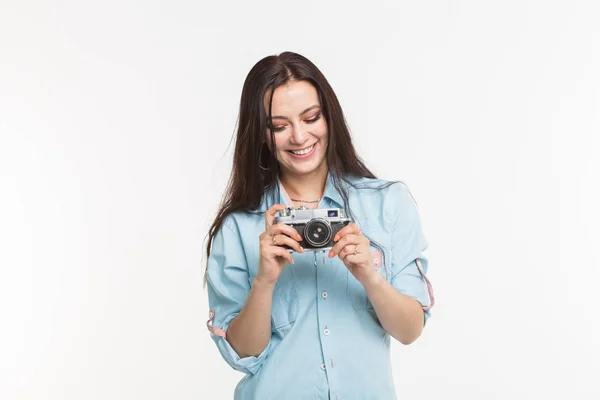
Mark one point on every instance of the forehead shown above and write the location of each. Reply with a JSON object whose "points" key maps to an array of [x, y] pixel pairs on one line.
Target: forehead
{"points": [[292, 98]]}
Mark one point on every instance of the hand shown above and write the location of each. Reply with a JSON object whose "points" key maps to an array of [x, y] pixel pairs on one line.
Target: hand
{"points": [[354, 249], [273, 257]]}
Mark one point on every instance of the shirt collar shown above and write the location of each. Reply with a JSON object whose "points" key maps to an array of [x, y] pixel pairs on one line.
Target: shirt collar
{"points": [[332, 193]]}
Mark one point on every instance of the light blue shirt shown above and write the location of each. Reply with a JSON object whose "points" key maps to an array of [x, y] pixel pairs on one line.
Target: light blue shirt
{"points": [[326, 340]]}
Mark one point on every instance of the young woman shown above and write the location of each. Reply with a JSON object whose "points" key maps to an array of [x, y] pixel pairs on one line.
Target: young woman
{"points": [[305, 324]]}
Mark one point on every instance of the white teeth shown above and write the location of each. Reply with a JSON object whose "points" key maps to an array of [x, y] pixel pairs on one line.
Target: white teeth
{"points": [[302, 152]]}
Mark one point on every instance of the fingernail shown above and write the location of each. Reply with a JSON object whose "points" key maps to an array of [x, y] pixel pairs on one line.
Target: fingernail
{"points": [[336, 238], [330, 254], [302, 248]]}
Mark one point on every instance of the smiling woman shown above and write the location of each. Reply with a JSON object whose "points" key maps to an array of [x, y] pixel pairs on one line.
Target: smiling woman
{"points": [[300, 134], [302, 326]]}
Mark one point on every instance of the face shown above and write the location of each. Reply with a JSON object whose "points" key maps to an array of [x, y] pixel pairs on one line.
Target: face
{"points": [[299, 128]]}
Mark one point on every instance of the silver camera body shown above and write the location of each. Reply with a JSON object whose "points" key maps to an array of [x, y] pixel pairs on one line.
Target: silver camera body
{"points": [[317, 227]]}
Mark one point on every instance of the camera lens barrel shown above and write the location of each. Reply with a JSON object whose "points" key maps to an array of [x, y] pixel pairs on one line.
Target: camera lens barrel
{"points": [[317, 232]]}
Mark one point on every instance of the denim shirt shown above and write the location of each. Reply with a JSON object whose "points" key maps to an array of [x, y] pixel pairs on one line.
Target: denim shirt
{"points": [[326, 340]]}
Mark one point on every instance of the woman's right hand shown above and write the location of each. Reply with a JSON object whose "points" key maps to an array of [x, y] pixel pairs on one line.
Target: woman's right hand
{"points": [[274, 257]]}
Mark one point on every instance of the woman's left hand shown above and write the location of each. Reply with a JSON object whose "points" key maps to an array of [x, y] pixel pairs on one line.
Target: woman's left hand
{"points": [[354, 249]]}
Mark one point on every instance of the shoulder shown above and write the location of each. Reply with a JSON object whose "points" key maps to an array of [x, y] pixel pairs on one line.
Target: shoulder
{"points": [[240, 221], [391, 198], [237, 236]]}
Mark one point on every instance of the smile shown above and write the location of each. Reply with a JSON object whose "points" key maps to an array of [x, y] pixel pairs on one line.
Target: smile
{"points": [[304, 152]]}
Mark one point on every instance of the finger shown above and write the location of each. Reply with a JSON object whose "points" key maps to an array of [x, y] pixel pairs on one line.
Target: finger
{"points": [[283, 253], [346, 251], [356, 252], [270, 214], [349, 250], [359, 252], [352, 258], [344, 242], [351, 228], [282, 228], [283, 240], [270, 252]]}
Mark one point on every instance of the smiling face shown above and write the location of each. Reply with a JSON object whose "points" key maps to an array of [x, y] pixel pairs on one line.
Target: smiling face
{"points": [[300, 129]]}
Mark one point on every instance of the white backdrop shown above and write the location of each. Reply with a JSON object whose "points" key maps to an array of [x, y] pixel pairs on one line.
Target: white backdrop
{"points": [[115, 122]]}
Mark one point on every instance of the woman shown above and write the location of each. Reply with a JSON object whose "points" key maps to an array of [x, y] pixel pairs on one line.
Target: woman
{"points": [[305, 324]]}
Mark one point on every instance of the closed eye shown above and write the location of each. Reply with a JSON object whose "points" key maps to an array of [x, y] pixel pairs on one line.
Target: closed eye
{"points": [[278, 128], [308, 121], [315, 119]]}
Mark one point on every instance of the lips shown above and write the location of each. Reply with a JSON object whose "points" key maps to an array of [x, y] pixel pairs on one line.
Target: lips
{"points": [[303, 153]]}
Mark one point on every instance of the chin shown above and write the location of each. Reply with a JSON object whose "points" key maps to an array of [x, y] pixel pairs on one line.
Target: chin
{"points": [[304, 170]]}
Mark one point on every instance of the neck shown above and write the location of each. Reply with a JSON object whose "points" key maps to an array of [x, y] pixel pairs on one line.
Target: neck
{"points": [[308, 187]]}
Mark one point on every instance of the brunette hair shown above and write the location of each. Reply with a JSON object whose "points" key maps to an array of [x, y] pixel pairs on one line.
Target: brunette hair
{"points": [[255, 166]]}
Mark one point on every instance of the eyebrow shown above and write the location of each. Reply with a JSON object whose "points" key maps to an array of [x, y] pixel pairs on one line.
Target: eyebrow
{"points": [[303, 112]]}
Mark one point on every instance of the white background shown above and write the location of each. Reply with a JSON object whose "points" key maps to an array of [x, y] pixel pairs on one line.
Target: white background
{"points": [[115, 126]]}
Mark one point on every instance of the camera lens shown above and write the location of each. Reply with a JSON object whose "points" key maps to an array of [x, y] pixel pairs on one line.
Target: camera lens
{"points": [[317, 232]]}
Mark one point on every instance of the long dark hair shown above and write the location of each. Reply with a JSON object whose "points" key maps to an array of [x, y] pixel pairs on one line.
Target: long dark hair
{"points": [[255, 167]]}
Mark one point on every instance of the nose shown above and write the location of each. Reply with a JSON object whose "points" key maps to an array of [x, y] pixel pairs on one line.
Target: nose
{"points": [[299, 135]]}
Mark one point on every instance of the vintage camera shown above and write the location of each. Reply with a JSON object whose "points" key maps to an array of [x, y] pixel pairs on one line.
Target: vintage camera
{"points": [[317, 227]]}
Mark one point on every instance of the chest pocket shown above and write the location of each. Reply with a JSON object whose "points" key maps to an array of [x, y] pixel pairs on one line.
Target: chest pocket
{"points": [[355, 291]]}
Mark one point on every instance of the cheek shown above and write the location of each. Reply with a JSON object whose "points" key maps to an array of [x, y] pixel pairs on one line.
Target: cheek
{"points": [[323, 133], [322, 129]]}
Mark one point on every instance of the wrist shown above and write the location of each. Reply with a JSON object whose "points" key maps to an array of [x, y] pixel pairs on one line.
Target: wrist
{"points": [[372, 279], [262, 283]]}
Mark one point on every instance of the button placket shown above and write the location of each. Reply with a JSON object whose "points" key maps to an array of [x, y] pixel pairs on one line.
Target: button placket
{"points": [[324, 308], [324, 296]]}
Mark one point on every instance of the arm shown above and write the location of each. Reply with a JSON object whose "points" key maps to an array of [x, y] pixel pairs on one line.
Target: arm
{"points": [[240, 312], [249, 333], [400, 315], [229, 290], [402, 305]]}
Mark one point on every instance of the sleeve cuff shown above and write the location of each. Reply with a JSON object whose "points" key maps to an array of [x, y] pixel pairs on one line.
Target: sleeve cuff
{"points": [[416, 285], [248, 365]]}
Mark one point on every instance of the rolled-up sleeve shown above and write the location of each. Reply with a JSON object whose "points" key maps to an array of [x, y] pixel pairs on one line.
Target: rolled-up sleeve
{"points": [[228, 287], [409, 264]]}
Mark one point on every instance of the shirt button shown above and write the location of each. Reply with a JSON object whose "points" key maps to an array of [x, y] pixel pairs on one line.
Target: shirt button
{"points": [[324, 295], [326, 331], [323, 366]]}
